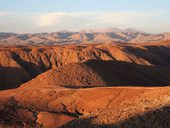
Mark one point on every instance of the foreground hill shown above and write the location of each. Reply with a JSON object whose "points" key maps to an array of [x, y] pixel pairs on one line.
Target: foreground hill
{"points": [[116, 64], [97, 73], [119, 107], [71, 76]]}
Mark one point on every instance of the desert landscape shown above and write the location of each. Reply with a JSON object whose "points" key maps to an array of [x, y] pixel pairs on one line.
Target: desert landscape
{"points": [[85, 85], [108, 35], [84, 64]]}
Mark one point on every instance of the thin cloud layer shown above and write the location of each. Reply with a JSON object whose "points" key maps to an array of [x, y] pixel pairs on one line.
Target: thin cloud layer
{"points": [[74, 21], [3, 13], [53, 18], [89, 18]]}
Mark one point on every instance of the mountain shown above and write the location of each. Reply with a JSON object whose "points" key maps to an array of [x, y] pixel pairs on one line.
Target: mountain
{"points": [[85, 85], [74, 75], [129, 35], [147, 63]]}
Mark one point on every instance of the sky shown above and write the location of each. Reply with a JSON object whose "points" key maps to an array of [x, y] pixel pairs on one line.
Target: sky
{"points": [[32, 16]]}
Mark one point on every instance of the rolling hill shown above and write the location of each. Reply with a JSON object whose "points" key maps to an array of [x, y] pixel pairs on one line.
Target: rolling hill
{"points": [[85, 36]]}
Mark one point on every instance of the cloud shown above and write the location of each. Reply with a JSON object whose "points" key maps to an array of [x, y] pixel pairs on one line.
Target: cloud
{"points": [[89, 19], [48, 19], [75, 21], [121, 16], [3, 13]]}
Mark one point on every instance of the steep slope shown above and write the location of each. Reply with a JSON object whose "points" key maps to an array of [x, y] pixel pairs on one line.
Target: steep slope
{"points": [[101, 73], [26, 62], [71, 76]]}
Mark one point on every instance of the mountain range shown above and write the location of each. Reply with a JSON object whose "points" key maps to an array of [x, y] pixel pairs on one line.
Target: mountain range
{"points": [[116, 35], [98, 79]]}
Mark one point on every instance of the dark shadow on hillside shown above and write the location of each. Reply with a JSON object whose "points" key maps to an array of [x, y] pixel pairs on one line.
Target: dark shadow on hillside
{"points": [[12, 77], [119, 73], [159, 118], [114, 73], [16, 115], [116, 36], [31, 68], [157, 55], [64, 35]]}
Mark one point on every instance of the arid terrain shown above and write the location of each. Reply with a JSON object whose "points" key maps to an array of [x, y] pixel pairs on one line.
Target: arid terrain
{"points": [[118, 84], [85, 36]]}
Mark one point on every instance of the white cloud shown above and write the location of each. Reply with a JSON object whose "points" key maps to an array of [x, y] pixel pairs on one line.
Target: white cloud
{"points": [[75, 21], [89, 18], [48, 19], [121, 16], [3, 13]]}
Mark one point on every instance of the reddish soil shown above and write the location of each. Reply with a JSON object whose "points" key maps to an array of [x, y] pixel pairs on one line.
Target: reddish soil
{"points": [[85, 86]]}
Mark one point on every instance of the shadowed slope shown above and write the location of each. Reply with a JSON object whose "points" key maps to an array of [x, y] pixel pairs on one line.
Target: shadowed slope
{"points": [[146, 59], [153, 54], [102, 73], [120, 73], [12, 77], [157, 118], [74, 75]]}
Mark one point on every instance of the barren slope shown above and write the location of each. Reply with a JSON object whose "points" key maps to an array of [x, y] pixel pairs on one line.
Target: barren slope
{"points": [[63, 86], [75, 75], [146, 62], [94, 107]]}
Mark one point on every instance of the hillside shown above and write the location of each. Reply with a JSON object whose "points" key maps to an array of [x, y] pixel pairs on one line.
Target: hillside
{"points": [[148, 63], [85, 85], [82, 108], [71, 76]]}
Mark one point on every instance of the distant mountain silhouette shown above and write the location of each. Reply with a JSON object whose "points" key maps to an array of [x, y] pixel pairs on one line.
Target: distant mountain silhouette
{"points": [[129, 35]]}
